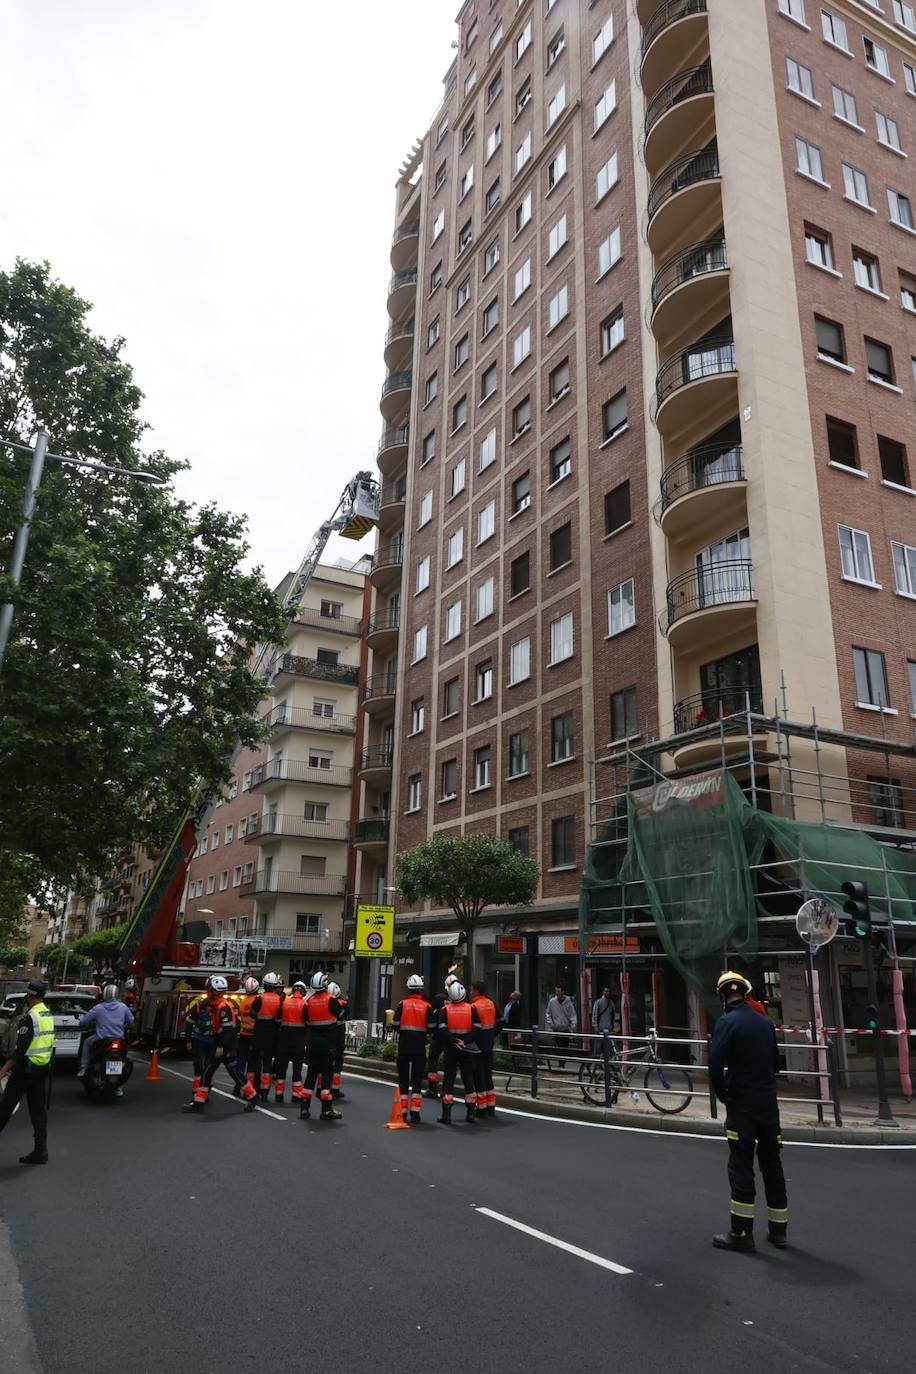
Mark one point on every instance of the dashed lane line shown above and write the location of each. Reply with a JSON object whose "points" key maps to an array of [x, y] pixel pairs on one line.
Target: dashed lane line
{"points": [[554, 1240]]}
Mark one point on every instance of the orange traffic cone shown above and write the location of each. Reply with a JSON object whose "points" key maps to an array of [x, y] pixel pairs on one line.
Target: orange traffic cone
{"points": [[154, 1076], [396, 1120]]}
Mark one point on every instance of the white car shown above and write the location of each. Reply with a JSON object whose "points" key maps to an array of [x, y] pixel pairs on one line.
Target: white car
{"points": [[66, 1008]]}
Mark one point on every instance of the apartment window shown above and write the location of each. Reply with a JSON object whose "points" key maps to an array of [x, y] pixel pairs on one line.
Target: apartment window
{"points": [[455, 548], [523, 42], [518, 839], [320, 758], [440, 174], [603, 39], [315, 811], [841, 443], [606, 178], [223, 880], [441, 131], [462, 351], [521, 493], [563, 737], [491, 256], [435, 278], [419, 644], [865, 270], [462, 294], [561, 638], [855, 555], [488, 381], [563, 842], [819, 248], [885, 797], [486, 522], [909, 76], [414, 792], [449, 779], [900, 208], [432, 333], [438, 225], [904, 14], [623, 715], [518, 754], [329, 656], [466, 183], [887, 131], [470, 81], [417, 716], [795, 9], [451, 697], [429, 447], [494, 139], [621, 607], [556, 168], [876, 57], [834, 30], [608, 252], [524, 95], [432, 387], [308, 922], [521, 418], [808, 160], [522, 153], [561, 547], [521, 346], [904, 556], [555, 106], [519, 661], [558, 381], [488, 449], [471, 36], [465, 234], [496, 38], [459, 413], [492, 197], [908, 292], [844, 105], [483, 680], [560, 463], [615, 415], [893, 462], [830, 344], [612, 332], [855, 185], [452, 622], [555, 47], [482, 767], [520, 574], [799, 79], [484, 600], [228, 836], [871, 677], [605, 105], [879, 362], [522, 279], [425, 510], [211, 883], [558, 307], [911, 673], [556, 237], [456, 480], [523, 212]]}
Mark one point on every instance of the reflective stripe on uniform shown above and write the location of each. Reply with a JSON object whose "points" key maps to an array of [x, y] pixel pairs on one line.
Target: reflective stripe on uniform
{"points": [[778, 1214], [743, 1209], [731, 1135], [41, 1046]]}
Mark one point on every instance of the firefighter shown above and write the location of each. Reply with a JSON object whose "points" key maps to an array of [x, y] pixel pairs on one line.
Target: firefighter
{"points": [[340, 1040], [414, 1018], [321, 1017], [486, 1038], [438, 1042], [459, 1023], [210, 1028], [743, 1064], [250, 990], [290, 1044], [266, 1010]]}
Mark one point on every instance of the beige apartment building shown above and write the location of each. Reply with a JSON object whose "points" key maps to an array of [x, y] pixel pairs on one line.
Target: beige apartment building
{"points": [[648, 436]]}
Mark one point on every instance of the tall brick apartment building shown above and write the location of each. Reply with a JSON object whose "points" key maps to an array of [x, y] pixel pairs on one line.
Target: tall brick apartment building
{"points": [[649, 418]]}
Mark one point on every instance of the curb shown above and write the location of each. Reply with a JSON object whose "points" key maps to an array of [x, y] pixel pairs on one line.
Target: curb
{"points": [[677, 1125]]}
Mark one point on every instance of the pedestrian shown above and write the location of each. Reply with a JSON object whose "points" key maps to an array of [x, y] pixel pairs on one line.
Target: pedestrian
{"points": [[512, 1019], [561, 1019], [459, 1023], [210, 1030], [290, 1044], [439, 1040], [27, 1071], [604, 1013], [413, 1019], [266, 1010], [486, 1041], [743, 1064], [250, 990], [340, 1038], [109, 1019], [320, 1014]]}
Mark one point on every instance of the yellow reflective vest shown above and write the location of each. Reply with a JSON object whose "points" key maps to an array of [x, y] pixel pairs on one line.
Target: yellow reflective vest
{"points": [[41, 1045]]}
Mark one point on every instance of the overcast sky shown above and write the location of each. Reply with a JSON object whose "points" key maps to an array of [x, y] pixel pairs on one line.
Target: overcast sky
{"points": [[217, 177]]}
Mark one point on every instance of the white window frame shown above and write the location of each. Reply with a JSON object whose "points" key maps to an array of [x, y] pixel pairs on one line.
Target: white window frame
{"points": [[605, 105], [523, 42], [414, 792], [808, 160], [452, 622], [494, 139], [609, 247], [904, 15], [487, 454], [833, 31], [851, 176], [438, 226], [799, 80], [556, 168], [523, 212], [562, 639], [845, 106], [420, 643], [520, 661], [556, 237], [894, 201], [521, 346], [607, 177], [823, 257], [556, 105], [484, 599], [523, 276], [865, 270], [486, 522], [483, 761], [904, 560], [457, 478], [891, 129], [621, 607], [558, 307], [455, 548], [856, 561], [425, 509], [880, 66], [523, 153], [793, 9], [602, 40]]}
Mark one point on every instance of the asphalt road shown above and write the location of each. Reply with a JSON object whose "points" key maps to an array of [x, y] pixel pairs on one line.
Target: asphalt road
{"points": [[158, 1242]]}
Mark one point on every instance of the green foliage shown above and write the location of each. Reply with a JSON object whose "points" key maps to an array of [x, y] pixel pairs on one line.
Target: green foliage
{"points": [[504, 1062], [467, 873], [389, 1051], [368, 1050], [11, 956], [128, 673], [19, 879], [100, 947], [53, 958]]}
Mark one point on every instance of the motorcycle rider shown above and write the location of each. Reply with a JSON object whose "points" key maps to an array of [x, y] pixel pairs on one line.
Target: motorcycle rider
{"points": [[413, 1019], [210, 1028], [321, 1016], [460, 1023], [266, 1010], [290, 1044], [340, 1039], [109, 1019]]}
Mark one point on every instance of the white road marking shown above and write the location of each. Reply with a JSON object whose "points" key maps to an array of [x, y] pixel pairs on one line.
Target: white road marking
{"points": [[650, 1130], [220, 1092], [552, 1240]]}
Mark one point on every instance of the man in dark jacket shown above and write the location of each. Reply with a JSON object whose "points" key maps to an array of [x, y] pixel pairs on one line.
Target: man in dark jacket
{"points": [[743, 1064]]}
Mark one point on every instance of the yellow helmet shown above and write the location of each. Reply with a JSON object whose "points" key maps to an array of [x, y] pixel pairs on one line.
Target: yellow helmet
{"points": [[730, 981]]}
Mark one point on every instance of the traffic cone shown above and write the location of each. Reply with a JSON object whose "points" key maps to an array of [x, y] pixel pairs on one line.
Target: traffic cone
{"points": [[154, 1075], [396, 1120]]}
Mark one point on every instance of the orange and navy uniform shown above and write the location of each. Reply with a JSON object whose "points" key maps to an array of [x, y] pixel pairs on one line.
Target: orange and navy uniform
{"points": [[210, 1023], [320, 1014], [266, 1010], [460, 1024], [290, 1046], [486, 1039], [340, 1044], [413, 1020]]}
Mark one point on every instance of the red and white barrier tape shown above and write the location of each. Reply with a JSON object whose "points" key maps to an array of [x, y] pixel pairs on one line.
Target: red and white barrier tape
{"points": [[845, 1030]]}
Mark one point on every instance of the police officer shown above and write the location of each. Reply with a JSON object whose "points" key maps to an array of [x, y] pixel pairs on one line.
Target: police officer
{"points": [[290, 1044], [266, 1010], [459, 1022], [340, 1038], [320, 1014], [27, 1072], [486, 1040], [413, 1019], [743, 1064]]}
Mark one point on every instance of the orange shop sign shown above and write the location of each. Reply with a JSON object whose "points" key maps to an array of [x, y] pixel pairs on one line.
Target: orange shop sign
{"points": [[511, 944], [602, 944]]}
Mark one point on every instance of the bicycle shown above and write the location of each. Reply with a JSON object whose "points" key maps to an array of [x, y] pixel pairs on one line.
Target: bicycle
{"points": [[671, 1078]]}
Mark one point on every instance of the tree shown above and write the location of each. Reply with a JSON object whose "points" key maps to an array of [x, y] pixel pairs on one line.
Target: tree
{"points": [[128, 676], [11, 956], [100, 947], [467, 873]]}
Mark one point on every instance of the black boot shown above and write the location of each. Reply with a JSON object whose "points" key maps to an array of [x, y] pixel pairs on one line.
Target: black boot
{"points": [[431, 1090], [777, 1236], [191, 1107], [415, 1118], [38, 1156], [470, 1110], [328, 1113], [305, 1111], [742, 1242], [446, 1118]]}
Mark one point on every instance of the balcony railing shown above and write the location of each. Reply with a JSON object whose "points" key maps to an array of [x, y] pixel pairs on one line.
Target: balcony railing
{"points": [[384, 686], [296, 770], [376, 758], [371, 830], [678, 175], [393, 493], [693, 81], [406, 231], [389, 555], [312, 884], [340, 624], [400, 280], [401, 329], [393, 436], [719, 584], [696, 261], [300, 827], [669, 13], [706, 708], [343, 674], [385, 620], [711, 358], [301, 718], [398, 381], [703, 467]]}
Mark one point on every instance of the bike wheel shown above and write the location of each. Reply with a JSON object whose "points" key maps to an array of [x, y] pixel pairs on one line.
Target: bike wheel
{"points": [[591, 1083], [676, 1079]]}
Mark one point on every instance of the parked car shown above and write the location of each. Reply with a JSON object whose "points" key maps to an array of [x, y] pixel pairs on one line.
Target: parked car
{"points": [[66, 1008]]}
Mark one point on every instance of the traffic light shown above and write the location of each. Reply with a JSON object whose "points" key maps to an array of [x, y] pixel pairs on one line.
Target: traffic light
{"points": [[871, 1018], [858, 909]]}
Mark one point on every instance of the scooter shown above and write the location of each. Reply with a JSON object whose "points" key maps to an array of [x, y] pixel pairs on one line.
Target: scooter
{"points": [[108, 1071]]}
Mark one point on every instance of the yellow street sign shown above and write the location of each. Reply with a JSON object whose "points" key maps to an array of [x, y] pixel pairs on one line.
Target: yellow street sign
{"points": [[374, 932]]}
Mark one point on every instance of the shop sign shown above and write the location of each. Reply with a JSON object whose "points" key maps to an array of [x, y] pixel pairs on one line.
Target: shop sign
{"points": [[703, 789], [511, 944], [602, 944]]}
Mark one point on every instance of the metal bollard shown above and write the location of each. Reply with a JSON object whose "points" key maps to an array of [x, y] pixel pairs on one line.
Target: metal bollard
{"points": [[534, 1061], [713, 1100], [834, 1078], [606, 1055]]}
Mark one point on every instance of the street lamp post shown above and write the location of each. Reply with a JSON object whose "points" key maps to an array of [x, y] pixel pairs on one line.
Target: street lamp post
{"points": [[40, 454]]}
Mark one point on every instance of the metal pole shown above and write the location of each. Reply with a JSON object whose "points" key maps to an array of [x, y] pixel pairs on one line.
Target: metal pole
{"points": [[833, 1070], [885, 1115], [372, 1008], [606, 1055], [713, 1100], [534, 1061], [815, 1057], [66, 962], [20, 543]]}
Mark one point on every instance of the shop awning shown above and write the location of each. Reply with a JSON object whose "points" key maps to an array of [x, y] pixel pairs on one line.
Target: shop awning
{"points": [[440, 937]]}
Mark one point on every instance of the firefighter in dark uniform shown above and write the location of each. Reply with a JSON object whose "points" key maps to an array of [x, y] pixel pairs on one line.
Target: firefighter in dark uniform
{"points": [[486, 1039], [438, 1042], [321, 1018], [250, 990], [460, 1023], [290, 1044], [266, 1009], [340, 1039], [27, 1071], [743, 1064], [413, 1019], [211, 1027]]}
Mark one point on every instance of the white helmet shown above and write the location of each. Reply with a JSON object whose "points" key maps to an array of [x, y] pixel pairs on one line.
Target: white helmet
{"points": [[251, 985], [334, 989], [450, 978], [457, 992], [218, 983], [319, 982], [415, 983], [109, 993], [299, 986], [271, 980], [131, 983]]}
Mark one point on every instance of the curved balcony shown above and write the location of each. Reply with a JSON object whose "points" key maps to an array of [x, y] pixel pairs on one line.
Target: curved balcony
{"points": [[706, 604], [391, 505], [375, 764], [682, 195], [275, 827], [401, 292], [699, 380], [387, 561], [382, 631], [399, 343], [405, 246], [284, 717], [392, 449], [713, 721], [379, 693], [395, 394], [371, 833], [670, 30], [681, 112], [691, 285], [702, 490]]}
